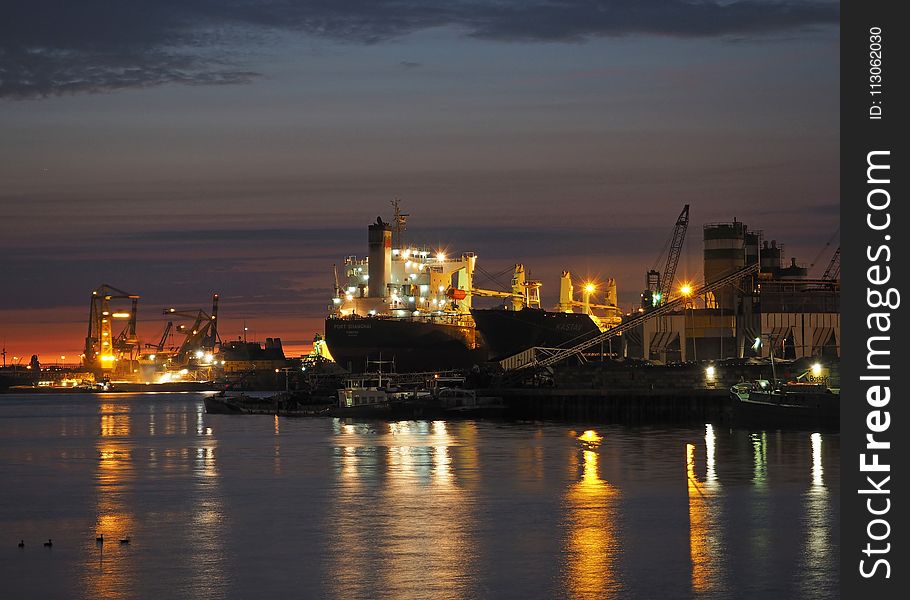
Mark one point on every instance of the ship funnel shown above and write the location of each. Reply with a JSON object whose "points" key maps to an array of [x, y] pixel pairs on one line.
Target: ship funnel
{"points": [[380, 258]]}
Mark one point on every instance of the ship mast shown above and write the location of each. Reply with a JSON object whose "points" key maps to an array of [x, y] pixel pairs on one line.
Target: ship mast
{"points": [[399, 221]]}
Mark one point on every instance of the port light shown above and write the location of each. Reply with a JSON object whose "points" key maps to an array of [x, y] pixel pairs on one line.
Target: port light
{"points": [[686, 290], [107, 358], [756, 344], [440, 256], [349, 297], [816, 370], [710, 373], [121, 315], [199, 353], [151, 357]]}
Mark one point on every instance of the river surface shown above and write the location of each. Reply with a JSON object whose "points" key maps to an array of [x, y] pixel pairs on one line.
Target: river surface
{"points": [[225, 506]]}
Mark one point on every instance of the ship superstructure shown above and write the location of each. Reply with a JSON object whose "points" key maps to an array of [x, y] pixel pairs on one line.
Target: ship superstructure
{"points": [[408, 304], [411, 282]]}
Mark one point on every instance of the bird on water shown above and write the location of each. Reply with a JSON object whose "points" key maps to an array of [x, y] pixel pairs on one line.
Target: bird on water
{"points": [[22, 543], [48, 543]]}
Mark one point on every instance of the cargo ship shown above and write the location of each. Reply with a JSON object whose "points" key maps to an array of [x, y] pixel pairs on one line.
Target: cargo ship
{"points": [[412, 306], [507, 332], [407, 305]]}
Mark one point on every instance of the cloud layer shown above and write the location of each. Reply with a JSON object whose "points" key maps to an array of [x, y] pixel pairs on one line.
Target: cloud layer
{"points": [[54, 47]]}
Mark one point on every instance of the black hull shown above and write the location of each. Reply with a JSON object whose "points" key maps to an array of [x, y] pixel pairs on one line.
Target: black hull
{"points": [[508, 332], [794, 412], [414, 346]]}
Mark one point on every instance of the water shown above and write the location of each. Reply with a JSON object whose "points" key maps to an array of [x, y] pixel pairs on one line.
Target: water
{"points": [[222, 506]]}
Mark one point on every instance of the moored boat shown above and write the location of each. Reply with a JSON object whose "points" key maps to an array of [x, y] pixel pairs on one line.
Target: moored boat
{"points": [[793, 404]]}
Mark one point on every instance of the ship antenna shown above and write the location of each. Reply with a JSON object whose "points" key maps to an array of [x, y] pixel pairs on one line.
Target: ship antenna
{"points": [[401, 222]]}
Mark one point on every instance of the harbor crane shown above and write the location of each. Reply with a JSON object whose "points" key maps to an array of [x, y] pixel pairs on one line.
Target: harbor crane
{"points": [[659, 284], [200, 340], [103, 351], [833, 271], [159, 347]]}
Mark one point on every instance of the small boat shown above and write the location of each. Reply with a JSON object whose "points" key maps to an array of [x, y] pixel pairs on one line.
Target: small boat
{"points": [[100, 538], [221, 404], [366, 396], [22, 543], [465, 402], [794, 404], [363, 401], [125, 541]]}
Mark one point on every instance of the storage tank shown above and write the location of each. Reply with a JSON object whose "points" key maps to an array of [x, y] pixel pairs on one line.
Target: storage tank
{"points": [[380, 258], [771, 257], [725, 253]]}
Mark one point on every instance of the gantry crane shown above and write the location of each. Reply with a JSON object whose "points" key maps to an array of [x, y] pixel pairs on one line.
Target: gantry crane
{"points": [[103, 351], [659, 284]]}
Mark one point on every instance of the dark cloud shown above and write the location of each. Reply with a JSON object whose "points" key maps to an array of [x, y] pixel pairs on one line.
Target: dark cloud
{"points": [[52, 47]]}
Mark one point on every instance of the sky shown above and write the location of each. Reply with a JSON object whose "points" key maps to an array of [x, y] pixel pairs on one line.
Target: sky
{"points": [[178, 148]]}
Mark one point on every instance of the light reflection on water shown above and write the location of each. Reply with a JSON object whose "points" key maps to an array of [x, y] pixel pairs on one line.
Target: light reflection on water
{"points": [[592, 545], [817, 550], [233, 506], [705, 517]]}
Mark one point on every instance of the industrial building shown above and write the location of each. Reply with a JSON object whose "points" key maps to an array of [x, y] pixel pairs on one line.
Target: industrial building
{"points": [[777, 310]]}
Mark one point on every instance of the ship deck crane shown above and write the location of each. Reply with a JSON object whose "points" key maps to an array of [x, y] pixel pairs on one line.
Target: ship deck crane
{"points": [[525, 292]]}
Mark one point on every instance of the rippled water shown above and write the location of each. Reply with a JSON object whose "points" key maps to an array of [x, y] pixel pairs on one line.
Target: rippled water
{"points": [[222, 506]]}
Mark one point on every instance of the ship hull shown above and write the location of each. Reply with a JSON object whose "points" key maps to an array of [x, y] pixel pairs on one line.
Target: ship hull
{"points": [[508, 332], [412, 345], [791, 410]]}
